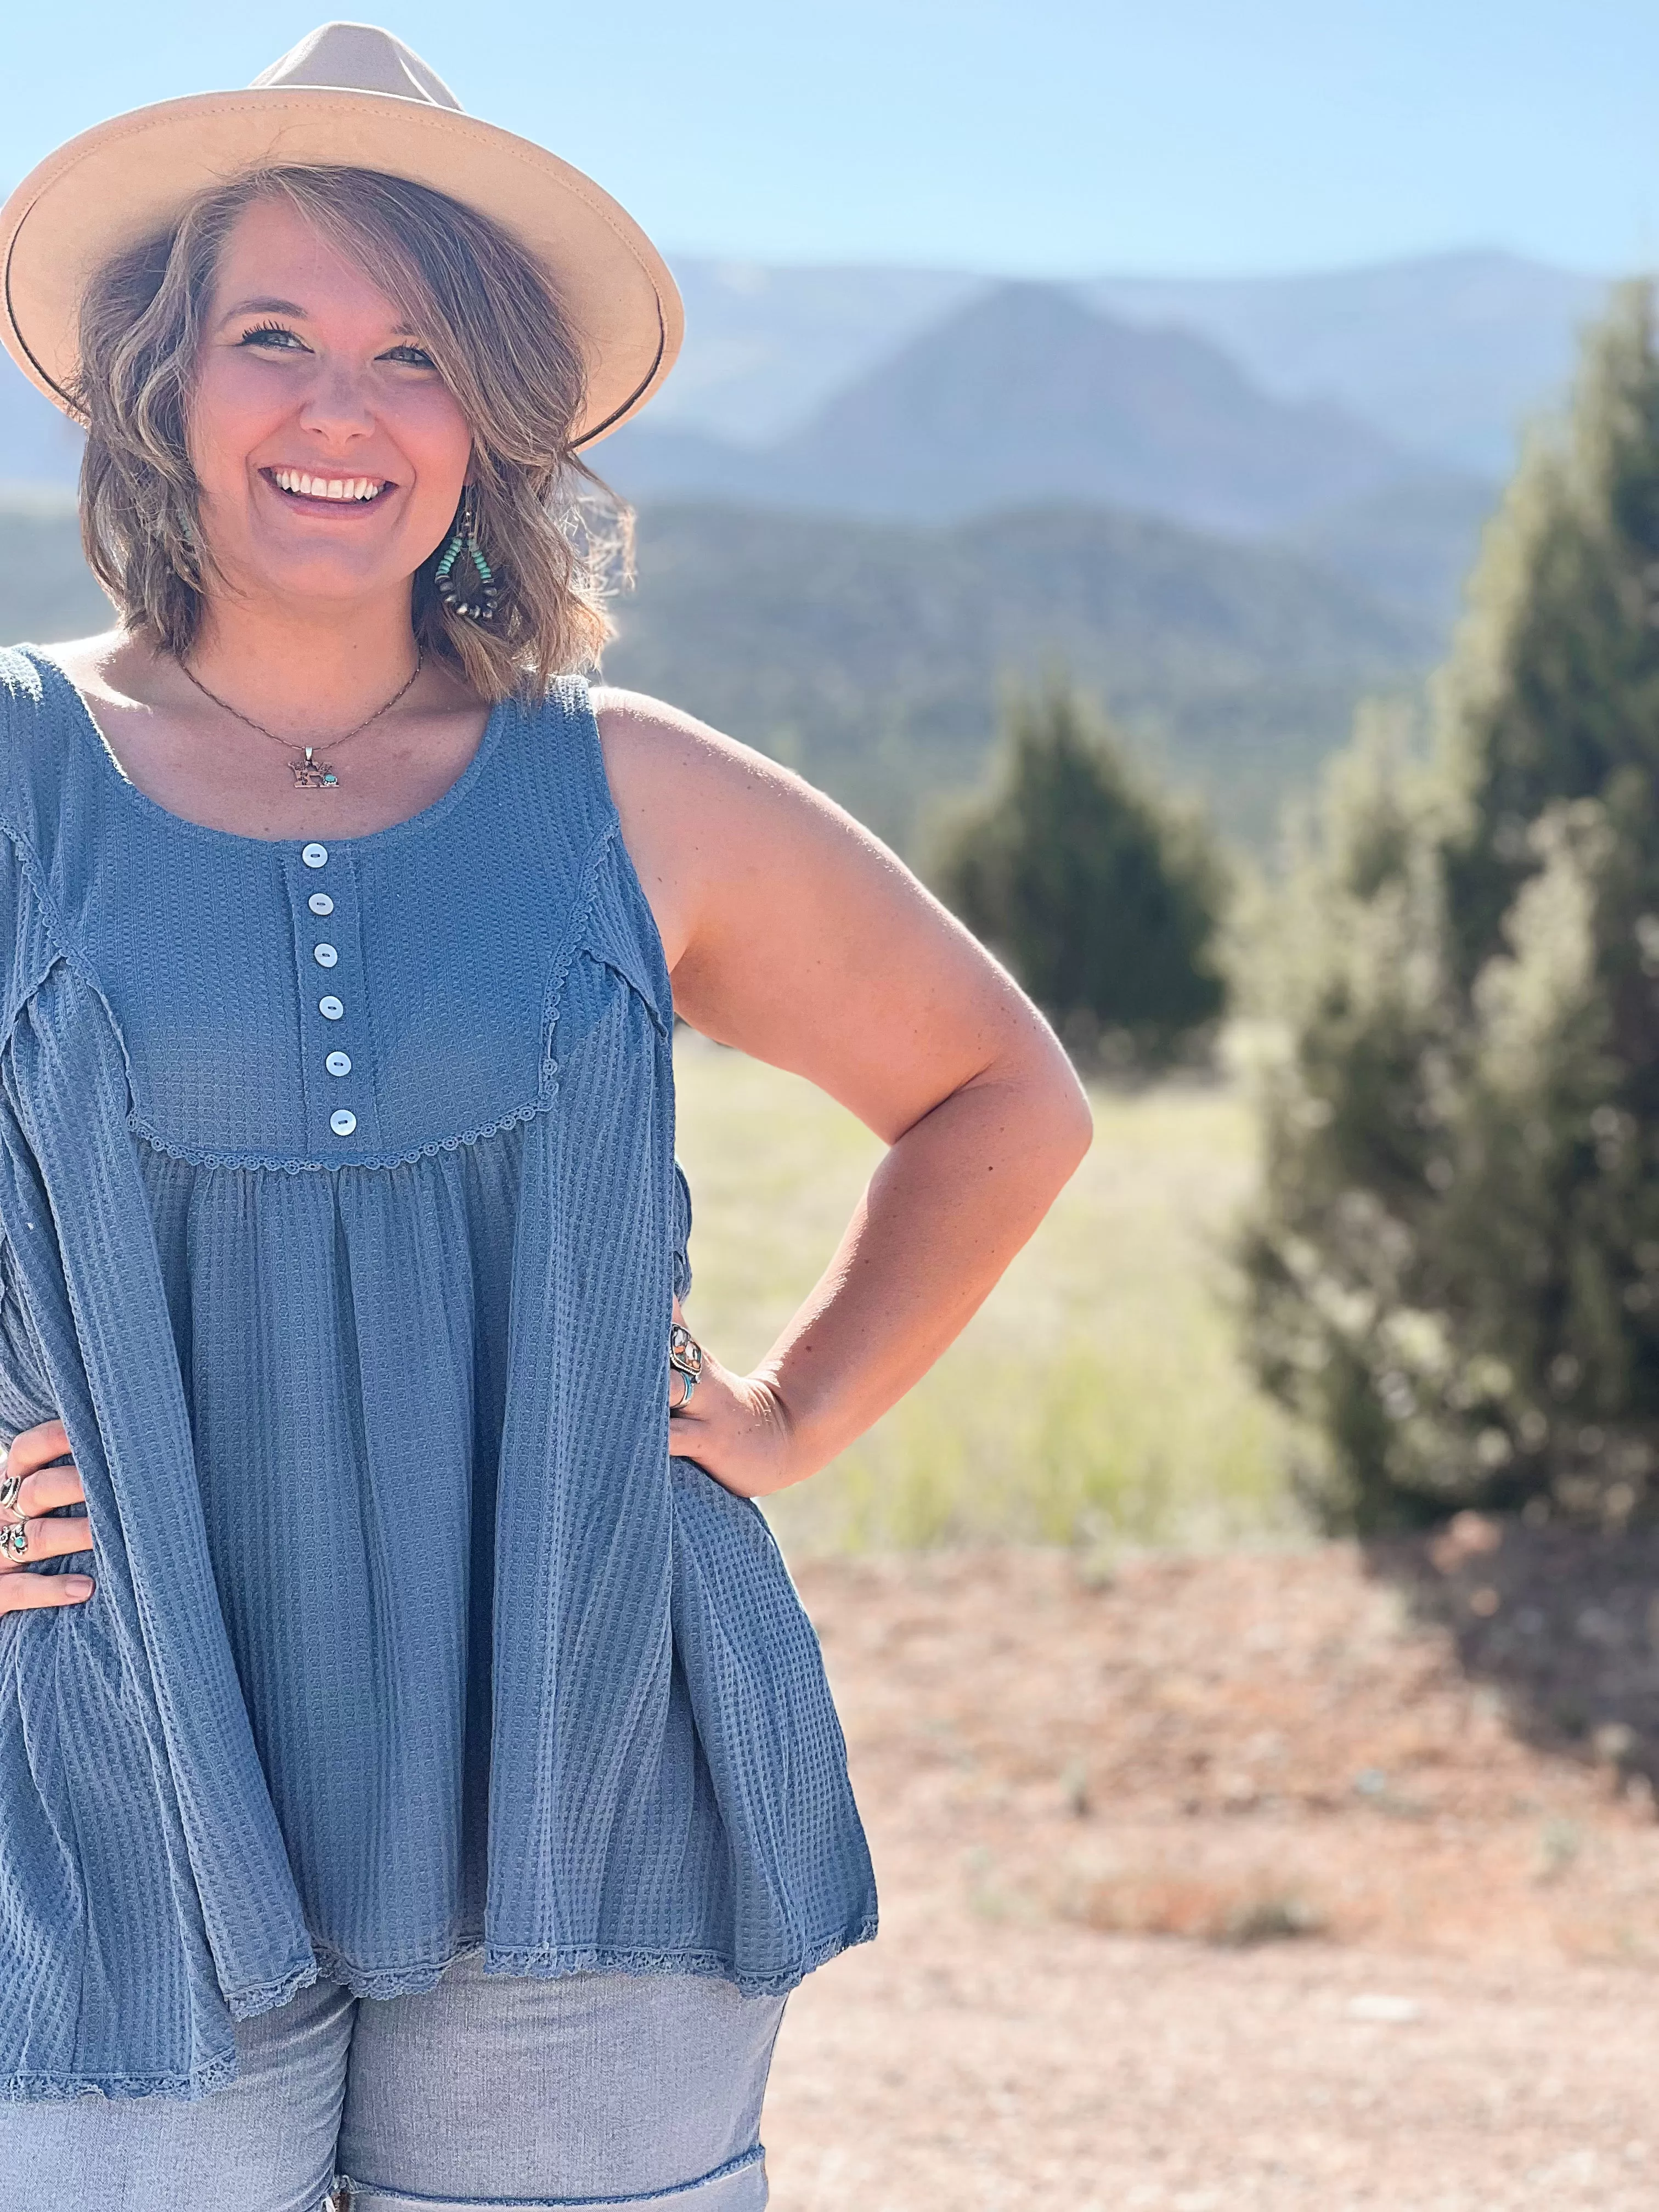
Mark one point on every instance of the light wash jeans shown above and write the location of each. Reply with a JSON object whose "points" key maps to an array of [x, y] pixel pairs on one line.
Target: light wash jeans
{"points": [[588, 2089]]}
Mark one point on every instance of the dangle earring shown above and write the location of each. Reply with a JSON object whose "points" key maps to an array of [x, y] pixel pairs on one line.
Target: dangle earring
{"points": [[474, 596]]}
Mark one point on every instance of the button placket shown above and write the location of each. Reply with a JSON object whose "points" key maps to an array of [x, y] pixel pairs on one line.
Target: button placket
{"points": [[325, 943]]}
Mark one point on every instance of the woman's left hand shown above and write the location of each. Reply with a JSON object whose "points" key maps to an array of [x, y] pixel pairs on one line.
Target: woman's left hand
{"points": [[735, 1427]]}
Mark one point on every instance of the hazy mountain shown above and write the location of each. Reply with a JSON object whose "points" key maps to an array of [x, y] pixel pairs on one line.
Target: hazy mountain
{"points": [[868, 654], [1022, 395], [765, 348], [1447, 356], [1442, 354]]}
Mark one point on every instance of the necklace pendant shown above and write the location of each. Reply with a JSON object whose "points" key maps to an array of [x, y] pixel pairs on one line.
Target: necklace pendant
{"points": [[310, 774]]}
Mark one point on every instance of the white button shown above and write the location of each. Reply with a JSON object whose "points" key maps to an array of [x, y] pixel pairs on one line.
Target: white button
{"points": [[314, 855], [324, 955], [329, 1009], [320, 903], [344, 1122], [339, 1063]]}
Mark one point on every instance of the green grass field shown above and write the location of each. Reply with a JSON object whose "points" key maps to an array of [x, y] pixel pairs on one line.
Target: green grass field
{"points": [[1096, 1398]]}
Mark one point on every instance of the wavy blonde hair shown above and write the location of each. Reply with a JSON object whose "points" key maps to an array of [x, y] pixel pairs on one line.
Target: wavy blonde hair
{"points": [[492, 322]]}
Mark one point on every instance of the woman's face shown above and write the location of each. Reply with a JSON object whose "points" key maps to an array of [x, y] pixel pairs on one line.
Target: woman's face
{"points": [[330, 453]]}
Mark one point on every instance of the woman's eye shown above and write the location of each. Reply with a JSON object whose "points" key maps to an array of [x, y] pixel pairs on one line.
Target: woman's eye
{"points": [[273, 334], [417, 355]]}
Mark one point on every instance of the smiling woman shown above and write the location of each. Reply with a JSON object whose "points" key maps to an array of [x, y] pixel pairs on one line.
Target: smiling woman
{"points": [[422, 343], [434, 1788]]}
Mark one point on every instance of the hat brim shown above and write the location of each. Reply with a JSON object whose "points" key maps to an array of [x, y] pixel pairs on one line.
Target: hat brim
{"points": [[127, 180]]}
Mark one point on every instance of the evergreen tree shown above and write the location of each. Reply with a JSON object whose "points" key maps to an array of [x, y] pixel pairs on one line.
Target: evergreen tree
{"points": [[1102, 898], [1456, 1265]]}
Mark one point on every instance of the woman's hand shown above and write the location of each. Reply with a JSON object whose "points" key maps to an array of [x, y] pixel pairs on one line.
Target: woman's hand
{"points": [[735, 1428], [44, 1486]]}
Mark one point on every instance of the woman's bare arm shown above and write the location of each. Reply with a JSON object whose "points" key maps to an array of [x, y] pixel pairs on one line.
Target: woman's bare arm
{"points": [[793, 934]]}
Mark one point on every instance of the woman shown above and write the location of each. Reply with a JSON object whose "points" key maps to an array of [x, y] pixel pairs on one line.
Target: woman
{"points": [[429, 1787]]}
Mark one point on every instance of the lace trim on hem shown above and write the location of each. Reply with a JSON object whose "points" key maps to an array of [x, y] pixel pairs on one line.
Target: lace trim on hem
{"points": [[546, 1962], [194, 1156], [264, 1996], [51, 2089]]}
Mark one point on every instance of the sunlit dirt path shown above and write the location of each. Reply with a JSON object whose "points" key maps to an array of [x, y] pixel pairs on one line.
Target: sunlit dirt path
{"points": [[1476, 2028]]}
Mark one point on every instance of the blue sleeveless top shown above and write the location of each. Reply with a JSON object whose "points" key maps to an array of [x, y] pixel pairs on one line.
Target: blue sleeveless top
{"points": [[339, 1218]]}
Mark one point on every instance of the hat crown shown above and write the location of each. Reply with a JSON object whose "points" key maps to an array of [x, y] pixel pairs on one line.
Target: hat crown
{"points": [[358, 58]]}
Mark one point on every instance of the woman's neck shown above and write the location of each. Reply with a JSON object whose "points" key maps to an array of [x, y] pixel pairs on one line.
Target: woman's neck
{"points": [[306, 670]]}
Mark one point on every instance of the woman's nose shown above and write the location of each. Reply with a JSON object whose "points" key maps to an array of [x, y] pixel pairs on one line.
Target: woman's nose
{"points": [[338, 404]]}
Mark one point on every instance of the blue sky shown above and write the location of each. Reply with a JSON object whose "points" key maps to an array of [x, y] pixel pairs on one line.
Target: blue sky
{"points": [[1190, 136]]}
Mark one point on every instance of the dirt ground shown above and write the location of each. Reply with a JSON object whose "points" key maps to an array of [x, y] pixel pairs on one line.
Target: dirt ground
{"points": [[1306, 1879]]}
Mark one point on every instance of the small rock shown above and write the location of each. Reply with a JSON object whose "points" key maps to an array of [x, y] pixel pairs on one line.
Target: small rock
{"points": [[1390, 2012], [1614, 1742]]}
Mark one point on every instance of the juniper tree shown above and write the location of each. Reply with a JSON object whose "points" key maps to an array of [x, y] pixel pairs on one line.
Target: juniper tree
{"points": [[1454, 1268], [1102, 896]]}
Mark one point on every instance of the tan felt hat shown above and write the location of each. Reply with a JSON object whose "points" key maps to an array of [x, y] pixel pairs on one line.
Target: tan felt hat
{"points": [[348, 95]]}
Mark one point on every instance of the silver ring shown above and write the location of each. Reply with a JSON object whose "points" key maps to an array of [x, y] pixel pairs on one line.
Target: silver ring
{"points": [[15, 1540], [684, 1358], [10, 1487]]}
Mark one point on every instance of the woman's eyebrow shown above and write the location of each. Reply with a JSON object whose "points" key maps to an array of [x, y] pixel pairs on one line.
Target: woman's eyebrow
{"points": [[264, 308]]}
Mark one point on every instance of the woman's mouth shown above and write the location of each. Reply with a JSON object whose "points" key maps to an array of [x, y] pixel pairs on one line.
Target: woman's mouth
{"points": [[312, 490]]}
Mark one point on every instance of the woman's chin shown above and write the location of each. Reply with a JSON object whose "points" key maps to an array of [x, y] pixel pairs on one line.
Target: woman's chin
{"points": [[331, 584]]}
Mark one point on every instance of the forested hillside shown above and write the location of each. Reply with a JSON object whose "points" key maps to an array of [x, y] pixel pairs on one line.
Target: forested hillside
{"points": [[868, 654]]}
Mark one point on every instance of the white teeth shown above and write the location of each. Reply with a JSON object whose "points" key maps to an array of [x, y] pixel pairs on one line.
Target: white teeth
{"points": [[310, 486]]}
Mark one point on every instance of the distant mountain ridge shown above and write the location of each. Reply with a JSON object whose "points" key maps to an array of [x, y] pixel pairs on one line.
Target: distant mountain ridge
{"points": [[1444, 355], [1448, 356], [1022, 395]]}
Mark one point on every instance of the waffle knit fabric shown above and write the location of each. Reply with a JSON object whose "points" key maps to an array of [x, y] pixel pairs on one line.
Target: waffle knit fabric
{"points": [[340, 1222]]}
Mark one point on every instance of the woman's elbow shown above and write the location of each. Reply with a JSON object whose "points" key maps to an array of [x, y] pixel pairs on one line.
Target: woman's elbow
{"points": [[1062, 1125], [1074, 1119]]}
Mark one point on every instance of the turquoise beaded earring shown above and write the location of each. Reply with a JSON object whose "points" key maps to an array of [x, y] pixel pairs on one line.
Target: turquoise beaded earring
{"points": [[477, 597]]}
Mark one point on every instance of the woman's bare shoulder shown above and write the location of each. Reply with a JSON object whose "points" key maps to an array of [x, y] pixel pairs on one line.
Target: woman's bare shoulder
{"points": [[646, 739], [698, 807], [670, 772], [102, 667], [27, 718]]}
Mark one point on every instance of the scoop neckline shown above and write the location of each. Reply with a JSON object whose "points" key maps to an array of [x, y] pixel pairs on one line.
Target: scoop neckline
{"points": [[89, 730]]}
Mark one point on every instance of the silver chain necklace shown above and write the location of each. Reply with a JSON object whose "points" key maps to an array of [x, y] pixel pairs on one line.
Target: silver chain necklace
{"points": [[309, 773]]}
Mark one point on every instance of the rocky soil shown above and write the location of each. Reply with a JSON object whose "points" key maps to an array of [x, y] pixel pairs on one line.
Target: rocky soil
{"points": [[1320, 1878]]}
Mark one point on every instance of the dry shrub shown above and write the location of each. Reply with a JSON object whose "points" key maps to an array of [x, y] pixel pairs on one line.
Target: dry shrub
{"points": [[1249, 1906]]}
